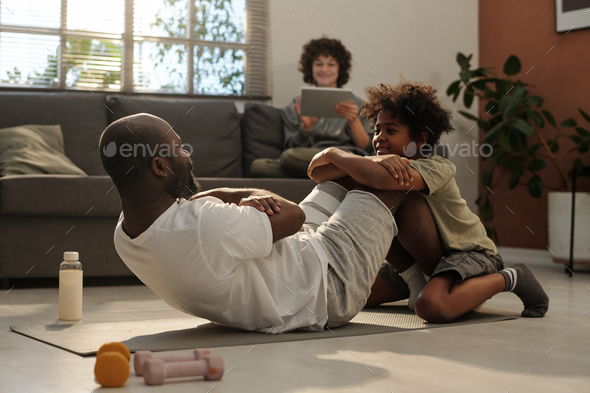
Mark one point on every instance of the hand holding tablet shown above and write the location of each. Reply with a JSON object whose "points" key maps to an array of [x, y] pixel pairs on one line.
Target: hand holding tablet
{"points": [[322, 101]]}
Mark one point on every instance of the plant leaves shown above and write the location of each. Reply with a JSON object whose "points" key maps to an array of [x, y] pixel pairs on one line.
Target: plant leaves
{"points": [[461, 59], [524, 127], [467, 98], [480, 84], [534, 116], [518, 140], [583, 132], [512, 66], [553, 146], [536, 165], [534, 148], [495, 129], [505, 143], [549, 118], [484, 125], [585, 115], [468, 115], [516, 174], [569, 123], [456, 95], [485, 209], [465, 76], [486, 177], [535, 186], [453, 87], [533, 101], [491, 107], [478, 73]]}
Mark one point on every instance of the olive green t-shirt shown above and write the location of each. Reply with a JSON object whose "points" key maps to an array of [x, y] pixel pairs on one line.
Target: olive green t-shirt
{"points": [[459, 228]]}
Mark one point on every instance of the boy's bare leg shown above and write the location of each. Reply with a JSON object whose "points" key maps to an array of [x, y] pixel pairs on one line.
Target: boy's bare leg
{"points": [[442, 300], [418, 242], [381, 292], [418, 233]]}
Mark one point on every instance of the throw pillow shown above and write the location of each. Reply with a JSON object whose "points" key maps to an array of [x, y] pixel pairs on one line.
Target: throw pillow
{"points": [[34, 149]]}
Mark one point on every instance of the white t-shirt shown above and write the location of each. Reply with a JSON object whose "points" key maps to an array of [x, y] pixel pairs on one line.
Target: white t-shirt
{"points": [[217, 261]]}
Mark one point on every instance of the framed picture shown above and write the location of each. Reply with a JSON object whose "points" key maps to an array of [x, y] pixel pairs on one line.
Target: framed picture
{"points": [[571, 15]]}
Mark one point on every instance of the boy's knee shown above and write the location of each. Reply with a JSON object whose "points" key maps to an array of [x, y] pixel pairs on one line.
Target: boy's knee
{"points": [[432, 308]]}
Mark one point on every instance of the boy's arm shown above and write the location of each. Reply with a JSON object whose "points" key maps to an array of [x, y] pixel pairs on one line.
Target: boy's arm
{"points": [[367, 171], [284, 223], [327, 172]]}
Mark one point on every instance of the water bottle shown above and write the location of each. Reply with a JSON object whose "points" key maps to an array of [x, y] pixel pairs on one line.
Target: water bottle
{"points": [[70, 287]]}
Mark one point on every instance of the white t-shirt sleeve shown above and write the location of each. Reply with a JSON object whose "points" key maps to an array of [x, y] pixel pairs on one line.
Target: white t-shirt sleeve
{"points": [[231, 231]]}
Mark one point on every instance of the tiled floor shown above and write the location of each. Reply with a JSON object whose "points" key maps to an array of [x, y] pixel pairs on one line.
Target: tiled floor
{"points": [[523, 355]]}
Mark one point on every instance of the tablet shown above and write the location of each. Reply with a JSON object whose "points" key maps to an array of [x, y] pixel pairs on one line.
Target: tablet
{"points": [[320, 101]]}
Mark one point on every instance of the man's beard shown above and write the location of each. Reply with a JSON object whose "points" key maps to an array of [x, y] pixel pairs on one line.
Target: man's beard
{"points": [[183, 183]]}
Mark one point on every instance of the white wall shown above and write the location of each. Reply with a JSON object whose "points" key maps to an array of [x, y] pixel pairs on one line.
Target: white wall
{"points": [[419, 38]]}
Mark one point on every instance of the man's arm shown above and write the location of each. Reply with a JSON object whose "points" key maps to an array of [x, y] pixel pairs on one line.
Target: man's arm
{"points": [[284, 223]]}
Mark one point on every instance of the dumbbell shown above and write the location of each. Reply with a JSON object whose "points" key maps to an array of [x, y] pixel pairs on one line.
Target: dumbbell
{"points": [[156, 371], [112, 365], [142, 356]]}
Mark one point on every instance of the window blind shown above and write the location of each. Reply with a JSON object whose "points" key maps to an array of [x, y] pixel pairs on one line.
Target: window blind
{"points": [[193, 47]]}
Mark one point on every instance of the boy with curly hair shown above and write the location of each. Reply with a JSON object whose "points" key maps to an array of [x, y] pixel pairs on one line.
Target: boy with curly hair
{"points": [[463, 264]]}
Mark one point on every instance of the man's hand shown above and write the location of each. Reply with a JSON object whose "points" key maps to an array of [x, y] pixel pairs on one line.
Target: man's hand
{"points": [[348, 110], [399, 167], [268, 204], [321, 159], [306, 121]]}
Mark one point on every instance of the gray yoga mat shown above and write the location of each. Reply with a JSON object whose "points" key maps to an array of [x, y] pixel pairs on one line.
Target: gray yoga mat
{"points": [[186, 333]]}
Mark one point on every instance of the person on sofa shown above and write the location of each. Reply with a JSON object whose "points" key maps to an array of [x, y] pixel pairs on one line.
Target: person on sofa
{"points": [[324, 63], [243, 257]]}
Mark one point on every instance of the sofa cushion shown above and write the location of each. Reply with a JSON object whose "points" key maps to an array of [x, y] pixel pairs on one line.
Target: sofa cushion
{"points": [[82, 117], [34, 149], [211, 128], [96, 196], [59, 195], [262, 133]]}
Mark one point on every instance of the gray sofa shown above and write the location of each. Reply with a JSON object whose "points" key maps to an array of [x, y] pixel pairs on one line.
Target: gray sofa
{"points": [[43, 215]]}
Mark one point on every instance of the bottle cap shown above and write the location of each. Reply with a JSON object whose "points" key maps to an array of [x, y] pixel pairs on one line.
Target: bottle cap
{"points": [[71, 256]]}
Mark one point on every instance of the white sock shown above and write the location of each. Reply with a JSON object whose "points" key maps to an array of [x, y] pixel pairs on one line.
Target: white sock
{"points": [[415, 279]]}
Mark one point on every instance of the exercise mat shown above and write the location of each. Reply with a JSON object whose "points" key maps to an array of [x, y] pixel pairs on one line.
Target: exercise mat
{"points": [[189, 333]]}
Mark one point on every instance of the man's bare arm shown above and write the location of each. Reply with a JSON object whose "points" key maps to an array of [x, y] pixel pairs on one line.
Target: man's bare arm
{"points": [[284, 223]]}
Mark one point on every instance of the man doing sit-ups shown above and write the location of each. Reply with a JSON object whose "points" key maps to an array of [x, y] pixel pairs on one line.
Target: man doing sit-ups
{"points": [[243, 258]]}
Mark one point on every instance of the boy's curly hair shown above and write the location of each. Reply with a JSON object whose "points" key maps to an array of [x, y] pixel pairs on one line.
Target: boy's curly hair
{"points": [[325, 47], [414, 103]]}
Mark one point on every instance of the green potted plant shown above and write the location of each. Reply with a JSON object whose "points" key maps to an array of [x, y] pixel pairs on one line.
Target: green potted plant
{"points": [[511, 124]]}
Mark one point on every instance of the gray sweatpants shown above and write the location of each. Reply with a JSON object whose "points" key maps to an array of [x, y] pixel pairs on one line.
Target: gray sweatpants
{"points": [[355, 230]]}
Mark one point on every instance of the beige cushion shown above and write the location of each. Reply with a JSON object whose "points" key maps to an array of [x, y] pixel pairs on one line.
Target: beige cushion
{"points": [[34, 149]]}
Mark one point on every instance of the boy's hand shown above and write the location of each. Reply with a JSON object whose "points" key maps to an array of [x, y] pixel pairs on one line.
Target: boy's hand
{"points": [[268, 204], [348, 110], [399, 167], [306, 121], [320, 159]]}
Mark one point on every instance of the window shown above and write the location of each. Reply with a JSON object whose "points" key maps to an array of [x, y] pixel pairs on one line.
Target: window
{"points": [[194, 47]]}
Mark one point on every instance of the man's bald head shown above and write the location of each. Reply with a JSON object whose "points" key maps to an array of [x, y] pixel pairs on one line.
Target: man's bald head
{"points": [[128, 145]]}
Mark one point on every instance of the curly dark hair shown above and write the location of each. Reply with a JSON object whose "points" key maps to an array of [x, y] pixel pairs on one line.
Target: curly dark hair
{"points": [[414, 103], [325, 47]]}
